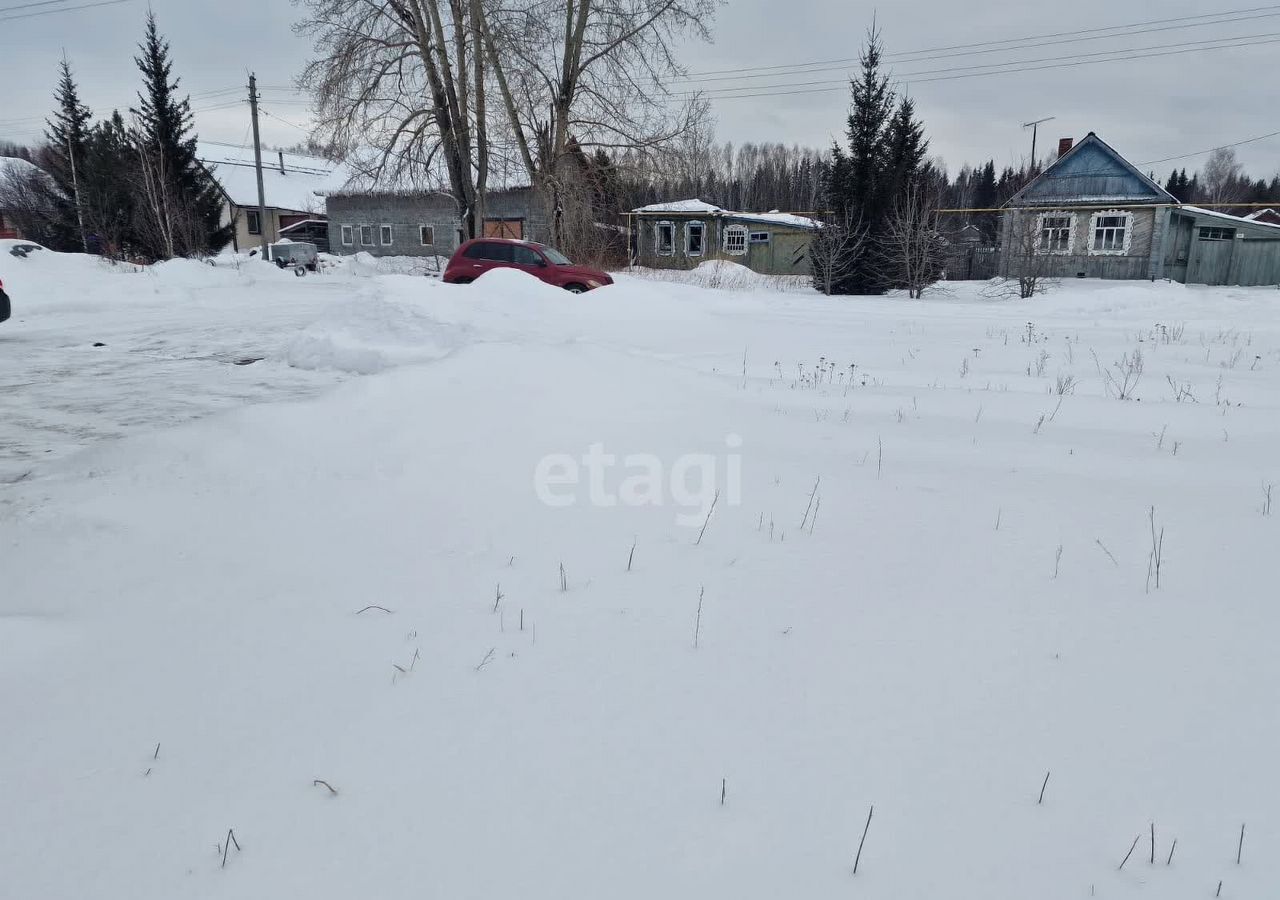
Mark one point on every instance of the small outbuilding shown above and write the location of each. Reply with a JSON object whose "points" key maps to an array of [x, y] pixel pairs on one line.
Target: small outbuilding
{"points": [[685, 233]]}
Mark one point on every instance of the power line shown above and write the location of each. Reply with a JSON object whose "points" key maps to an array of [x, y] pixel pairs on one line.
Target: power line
{"points": [[1226, 43], [1078, 34], [954, 77], [1252, 140], [918, 59], [62, 9], [5, 9]]}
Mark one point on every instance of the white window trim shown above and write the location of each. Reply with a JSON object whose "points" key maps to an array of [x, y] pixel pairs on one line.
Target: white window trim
{"points": [[767, 237], [432, 229], [362, 240], [735, 230], [1128, 231], [688, 238], [386, 235], [657, 239], [348, 236], [1071, 232]]}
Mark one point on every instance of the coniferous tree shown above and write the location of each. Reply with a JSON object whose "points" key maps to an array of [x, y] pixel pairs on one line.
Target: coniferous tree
{"points": [[182, 205], [64, 157], [107, 189], [985, 196], [856, 183]]}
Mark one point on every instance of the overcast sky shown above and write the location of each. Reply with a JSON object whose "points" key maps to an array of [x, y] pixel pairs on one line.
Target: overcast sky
{"points": [[1148, 108]]}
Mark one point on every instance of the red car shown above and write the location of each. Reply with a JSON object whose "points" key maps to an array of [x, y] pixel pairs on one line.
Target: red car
{"points": [[477, 256]]}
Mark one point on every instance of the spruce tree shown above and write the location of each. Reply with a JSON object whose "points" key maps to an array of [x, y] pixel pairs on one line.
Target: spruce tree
{"points": [[985, 196], [67, 135], [856, 185], [107, 190], [186, 218]]}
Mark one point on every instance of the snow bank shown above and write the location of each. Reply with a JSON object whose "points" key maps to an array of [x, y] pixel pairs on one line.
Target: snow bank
{"points": [[364, 591], [365, 265], [371, 333], [722, 274]]}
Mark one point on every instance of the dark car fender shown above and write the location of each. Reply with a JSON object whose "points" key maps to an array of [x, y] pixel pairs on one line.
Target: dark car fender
{"points": [[4, 306]]}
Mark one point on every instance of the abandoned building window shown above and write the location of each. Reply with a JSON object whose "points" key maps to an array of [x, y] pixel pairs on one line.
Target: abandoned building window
{"points": [[694, 238], [366, 235], [427, 235], [254, 221], [758, 237], [735, 240], [1111, 232], [1055, 233], [385, 235], [665, 238], [1217, 234], [347, 237]]}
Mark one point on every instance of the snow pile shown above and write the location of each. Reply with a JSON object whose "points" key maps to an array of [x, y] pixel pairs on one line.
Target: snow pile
{"points": [[365, 265], [722, 274], [371, 333], [351, 632]]}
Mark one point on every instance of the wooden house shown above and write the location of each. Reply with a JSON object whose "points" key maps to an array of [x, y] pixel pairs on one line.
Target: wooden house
{"points": [[1093, 214], [686, 233]]}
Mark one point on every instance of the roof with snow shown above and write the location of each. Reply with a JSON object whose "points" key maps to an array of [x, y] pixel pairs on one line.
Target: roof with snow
{"points": [[1263, 213], [679, 206], [290, 180], [699, 207], [1090, 173], [15, 166], [1201, 212]]}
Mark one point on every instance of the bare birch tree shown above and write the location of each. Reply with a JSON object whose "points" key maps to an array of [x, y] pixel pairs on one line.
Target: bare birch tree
{"points": [[580, 75], [1027, 266], [834, 248], [407, 78], [913, 245]]}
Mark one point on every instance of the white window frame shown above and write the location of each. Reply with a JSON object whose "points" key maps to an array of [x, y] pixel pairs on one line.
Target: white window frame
{"points": [[348, 236], [386, 235], [366, 229], [423, 232], [759, 237], [734, 240], [688, 238], [1094, 221], [657, 238], [249, 217], [1071, 233]]}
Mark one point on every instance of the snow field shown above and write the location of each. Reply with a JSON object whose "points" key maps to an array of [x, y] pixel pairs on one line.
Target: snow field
{"points": [[969, 609]]}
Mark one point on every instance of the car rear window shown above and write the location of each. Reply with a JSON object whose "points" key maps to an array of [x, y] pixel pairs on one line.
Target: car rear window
{"points": [[490, 251], [525, 256]]}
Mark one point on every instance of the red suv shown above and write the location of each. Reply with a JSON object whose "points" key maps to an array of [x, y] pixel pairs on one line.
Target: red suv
{"points": [[475, 257]]}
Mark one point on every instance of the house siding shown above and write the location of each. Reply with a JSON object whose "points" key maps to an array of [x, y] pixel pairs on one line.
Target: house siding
{"points": [[405, 213], [1138, 261]]}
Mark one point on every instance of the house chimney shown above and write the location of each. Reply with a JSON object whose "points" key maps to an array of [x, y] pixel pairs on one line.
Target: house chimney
{"points": [[1065, 145], [281, 152]]}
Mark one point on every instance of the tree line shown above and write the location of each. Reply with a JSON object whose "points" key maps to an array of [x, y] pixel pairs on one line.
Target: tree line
{"points": [[127, 189]]}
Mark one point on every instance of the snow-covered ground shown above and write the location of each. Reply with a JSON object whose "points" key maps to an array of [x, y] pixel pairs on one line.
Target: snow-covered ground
{"points": [[205, 626]]}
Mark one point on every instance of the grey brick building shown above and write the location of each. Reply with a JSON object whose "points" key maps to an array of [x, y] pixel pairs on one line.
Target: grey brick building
{"points": [[424, 223]]}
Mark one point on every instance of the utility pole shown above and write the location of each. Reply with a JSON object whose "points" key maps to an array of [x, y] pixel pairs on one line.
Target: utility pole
{"points": [[1035, 128], [257, 163]]}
